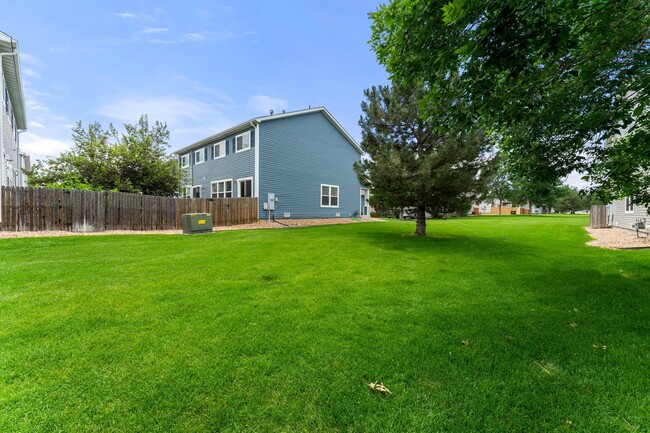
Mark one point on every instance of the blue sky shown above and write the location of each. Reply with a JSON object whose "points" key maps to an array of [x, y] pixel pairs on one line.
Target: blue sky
{"points": [[200, 66]]}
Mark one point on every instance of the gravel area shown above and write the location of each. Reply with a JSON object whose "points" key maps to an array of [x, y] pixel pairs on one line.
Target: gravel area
{"points": [[617, 239], [283, 224]]}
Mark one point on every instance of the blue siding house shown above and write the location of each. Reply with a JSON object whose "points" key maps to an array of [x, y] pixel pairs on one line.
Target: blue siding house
{"points": [[299, 165]]}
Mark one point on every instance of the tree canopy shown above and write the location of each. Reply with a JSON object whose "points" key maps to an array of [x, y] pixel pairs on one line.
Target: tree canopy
{"points": [[411, 163], [570, 200], [552, 79], [134, 161]]}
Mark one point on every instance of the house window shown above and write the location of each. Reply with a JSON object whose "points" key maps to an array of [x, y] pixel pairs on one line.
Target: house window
{"points": [[629, 206], [187, 192], [185, 160], [220, 150], [245, 187], [199, 156], [329, 196], [243, 142], [196, 191], [222, 189]]}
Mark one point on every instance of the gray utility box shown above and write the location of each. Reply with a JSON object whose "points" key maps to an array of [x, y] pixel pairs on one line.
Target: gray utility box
{"points": [[194, 223], [639, 225]]}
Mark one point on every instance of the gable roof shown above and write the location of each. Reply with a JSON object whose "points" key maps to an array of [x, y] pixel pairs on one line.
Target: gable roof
{"points": [[11, 72], [256, 120]]}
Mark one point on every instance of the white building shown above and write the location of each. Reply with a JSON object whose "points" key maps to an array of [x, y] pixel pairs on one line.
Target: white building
{"points": [[12, 160]]}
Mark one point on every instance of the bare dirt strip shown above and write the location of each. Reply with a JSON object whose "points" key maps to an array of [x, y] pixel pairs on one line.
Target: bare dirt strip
{"points": [[283, 224]]}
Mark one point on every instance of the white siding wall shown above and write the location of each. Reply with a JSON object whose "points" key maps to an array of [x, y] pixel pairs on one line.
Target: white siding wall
{"points": [[621, 219], [10, 160]]}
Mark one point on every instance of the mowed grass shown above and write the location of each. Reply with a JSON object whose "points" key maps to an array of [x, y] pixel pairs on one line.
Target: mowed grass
{"points": [[489, 324]]}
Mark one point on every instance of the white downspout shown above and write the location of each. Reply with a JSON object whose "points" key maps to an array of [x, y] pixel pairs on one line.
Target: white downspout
{"points": [[256, 175]]}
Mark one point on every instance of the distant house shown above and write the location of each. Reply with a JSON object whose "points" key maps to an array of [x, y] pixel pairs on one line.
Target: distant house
{"points": [[12, 160], [299, 165], [507, 208]]}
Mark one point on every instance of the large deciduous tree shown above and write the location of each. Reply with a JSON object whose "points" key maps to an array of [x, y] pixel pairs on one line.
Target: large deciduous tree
{"points": [[134, 161], [411, 163], [552, 78]]}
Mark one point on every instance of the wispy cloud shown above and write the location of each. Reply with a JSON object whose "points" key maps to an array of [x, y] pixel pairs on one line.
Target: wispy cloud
{"points": [[154, 30], [125, 15], [216, 97], [204, 36], [29, 59], [34, 104], [28, 72], [48, 133], [39, 147], [134, 16], [188, 118], [60, 49], [209, 36], [262, 104]]}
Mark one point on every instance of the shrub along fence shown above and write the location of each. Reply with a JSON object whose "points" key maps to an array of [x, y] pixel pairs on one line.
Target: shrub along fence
{"points": [[37, 209]]}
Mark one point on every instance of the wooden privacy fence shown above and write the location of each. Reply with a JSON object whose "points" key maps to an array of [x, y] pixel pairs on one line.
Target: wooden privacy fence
{"points": [[36, 209], [598, 216]]}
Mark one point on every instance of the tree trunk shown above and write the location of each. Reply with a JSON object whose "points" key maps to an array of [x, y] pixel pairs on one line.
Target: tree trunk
{"points": [[500, 203], [530, 207], [421, 221]]}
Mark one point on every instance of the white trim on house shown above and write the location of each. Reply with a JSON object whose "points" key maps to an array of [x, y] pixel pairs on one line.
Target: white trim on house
{"points": [[200, 188], [222, 146], [10, 65], [225, 190], [246, 141], [256, 180], [201, 152], [246, 125], [243, 179], [187, 191], [366, 204], [329, 195]]}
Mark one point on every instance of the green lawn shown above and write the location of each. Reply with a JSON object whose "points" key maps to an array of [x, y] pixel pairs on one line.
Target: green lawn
{"points": [[489, 324]]}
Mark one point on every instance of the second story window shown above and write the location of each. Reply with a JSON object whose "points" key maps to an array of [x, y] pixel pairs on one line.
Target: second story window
{"points": [[185, 160], [220, 150], [243, 142], [199, 156]]}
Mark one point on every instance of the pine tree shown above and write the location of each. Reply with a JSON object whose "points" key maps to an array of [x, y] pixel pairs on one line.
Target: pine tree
{"points": [[415, 163]]}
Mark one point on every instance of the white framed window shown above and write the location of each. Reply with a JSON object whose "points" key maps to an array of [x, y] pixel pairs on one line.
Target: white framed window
{"points": [[199, 156], [220, 150], [329, 195], [196, 191], [185, 160], [245, 187], [187, 192], [629, 206], [243, 142], [222, 188]]}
